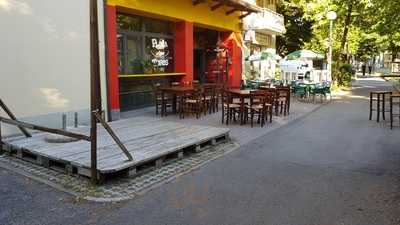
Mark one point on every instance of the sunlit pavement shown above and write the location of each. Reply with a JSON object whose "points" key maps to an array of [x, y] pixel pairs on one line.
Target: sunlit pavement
{"points": [[332, 167]]}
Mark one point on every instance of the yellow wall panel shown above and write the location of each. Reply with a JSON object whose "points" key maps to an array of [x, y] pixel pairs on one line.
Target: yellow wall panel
{"points": [[200, 14]]}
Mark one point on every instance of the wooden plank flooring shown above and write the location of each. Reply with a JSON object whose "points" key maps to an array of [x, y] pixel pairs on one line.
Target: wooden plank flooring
{"points": [[148, 139]]}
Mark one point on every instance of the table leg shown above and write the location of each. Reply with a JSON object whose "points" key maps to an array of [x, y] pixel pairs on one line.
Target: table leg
{"points": [[383, 106], [370, 106], [391, 113], [241, 110], [174, 100], [162, 103], [378, 108]]}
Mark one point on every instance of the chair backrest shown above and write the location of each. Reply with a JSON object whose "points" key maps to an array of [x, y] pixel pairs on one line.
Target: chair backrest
{"points": [[257, 95], [175, 84], [156, 89], [226, 96], [270, 90], [196, 94], [283, 91], [209, 90], [270, 97], [198, 90], [264, 88]]}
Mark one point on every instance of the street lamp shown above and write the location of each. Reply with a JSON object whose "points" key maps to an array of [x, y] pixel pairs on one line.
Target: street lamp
{"points": [[331, 15]]}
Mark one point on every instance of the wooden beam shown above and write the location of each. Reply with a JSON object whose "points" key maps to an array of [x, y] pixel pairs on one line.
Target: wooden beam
{"points": [[44, 129], [231, 11], [216, 6], [1, 141], [244, 15], [11, 115], [196, 2], [114, 136], [95, 101]]}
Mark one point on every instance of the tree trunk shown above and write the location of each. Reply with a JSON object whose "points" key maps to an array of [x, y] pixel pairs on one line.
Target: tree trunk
{"points": [[347, 23], [393, 50]]}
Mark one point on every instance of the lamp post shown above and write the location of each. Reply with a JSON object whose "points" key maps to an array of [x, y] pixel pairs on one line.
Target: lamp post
{"points": [[331, 15]]}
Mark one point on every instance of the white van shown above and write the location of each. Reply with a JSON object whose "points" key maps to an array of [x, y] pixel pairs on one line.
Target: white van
{"points": [[304, 69], [301, 67]]}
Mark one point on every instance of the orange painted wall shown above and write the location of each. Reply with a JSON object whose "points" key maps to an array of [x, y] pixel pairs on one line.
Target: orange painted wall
{"points": [[184, 49]]}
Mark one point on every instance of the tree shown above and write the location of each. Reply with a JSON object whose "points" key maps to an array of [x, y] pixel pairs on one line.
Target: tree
{"points": [[368, 48], [299, 30], [387, 25], [362, 27]]}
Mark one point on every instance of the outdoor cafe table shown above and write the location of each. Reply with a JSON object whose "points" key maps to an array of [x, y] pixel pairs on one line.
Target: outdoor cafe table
{"points": [[242, 94], [175, 91]]}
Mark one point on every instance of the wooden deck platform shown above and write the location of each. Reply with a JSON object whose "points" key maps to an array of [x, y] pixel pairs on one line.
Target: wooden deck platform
{"points": [[151, 141]]}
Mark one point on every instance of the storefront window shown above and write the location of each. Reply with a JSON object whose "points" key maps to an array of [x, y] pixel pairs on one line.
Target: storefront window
{"points": [[133, 54], [121, 53], [158, 26], [125, 22], [160, 52], [145, 45]]}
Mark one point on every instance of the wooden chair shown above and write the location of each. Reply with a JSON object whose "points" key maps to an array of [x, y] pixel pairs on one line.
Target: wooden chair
{"points": [[274, 93], [394, 100], [269, 103], [380, 98], [228, 108], [256, 107], [192, 103], [283, 99], [218, 96], [159, 101], [210, 97]]}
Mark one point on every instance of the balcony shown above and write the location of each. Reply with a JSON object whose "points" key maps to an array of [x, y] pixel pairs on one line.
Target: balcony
{"points": [[266, 21]]}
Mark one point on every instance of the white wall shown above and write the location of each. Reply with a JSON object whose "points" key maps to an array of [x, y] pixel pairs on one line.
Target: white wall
{"points": [[45, 59]]}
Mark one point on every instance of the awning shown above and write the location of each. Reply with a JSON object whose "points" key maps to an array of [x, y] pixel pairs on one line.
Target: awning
{"points": [[234, 5]]}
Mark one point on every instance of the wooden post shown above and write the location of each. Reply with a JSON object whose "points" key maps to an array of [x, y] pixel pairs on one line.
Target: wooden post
{"points": [[11, 115], [44, 129], [1, 141], [114, 136], [95, 102]]}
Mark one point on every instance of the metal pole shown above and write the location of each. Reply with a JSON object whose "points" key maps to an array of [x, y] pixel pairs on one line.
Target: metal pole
{"points": [[330, 47], [95, 102], [76, 119], [64, 121]]}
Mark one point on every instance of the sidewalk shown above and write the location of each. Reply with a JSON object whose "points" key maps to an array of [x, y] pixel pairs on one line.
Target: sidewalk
{"points": [[240, 134]]}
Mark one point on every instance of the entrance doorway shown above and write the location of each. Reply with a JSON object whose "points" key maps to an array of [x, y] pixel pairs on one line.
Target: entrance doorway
{"points": [[210, 64], [199, 65]]}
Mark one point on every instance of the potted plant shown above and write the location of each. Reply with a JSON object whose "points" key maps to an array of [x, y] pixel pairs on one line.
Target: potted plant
{"points": [[148, 66]]}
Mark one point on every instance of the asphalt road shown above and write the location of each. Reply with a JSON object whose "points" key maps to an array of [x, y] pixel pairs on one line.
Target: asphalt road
{"points": [[333, 167]]}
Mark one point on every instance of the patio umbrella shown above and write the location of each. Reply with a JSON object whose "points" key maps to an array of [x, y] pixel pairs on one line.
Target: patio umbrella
{"points": [[305, 54], [263, 56]]}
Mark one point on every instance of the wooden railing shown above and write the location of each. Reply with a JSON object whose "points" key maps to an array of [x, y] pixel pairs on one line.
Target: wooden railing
{"points": [[24, 125], [11, 115], [113, 135]]}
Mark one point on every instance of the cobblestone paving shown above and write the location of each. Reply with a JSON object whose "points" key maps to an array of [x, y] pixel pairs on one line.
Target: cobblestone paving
{"points": [[118, 189]]}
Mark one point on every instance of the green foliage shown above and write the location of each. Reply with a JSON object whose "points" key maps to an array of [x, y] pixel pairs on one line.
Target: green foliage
{"points": [[342, 74], [368, 47], [278, 74], [298, 29], [137, 66], [346, 68], [363, 27]]}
